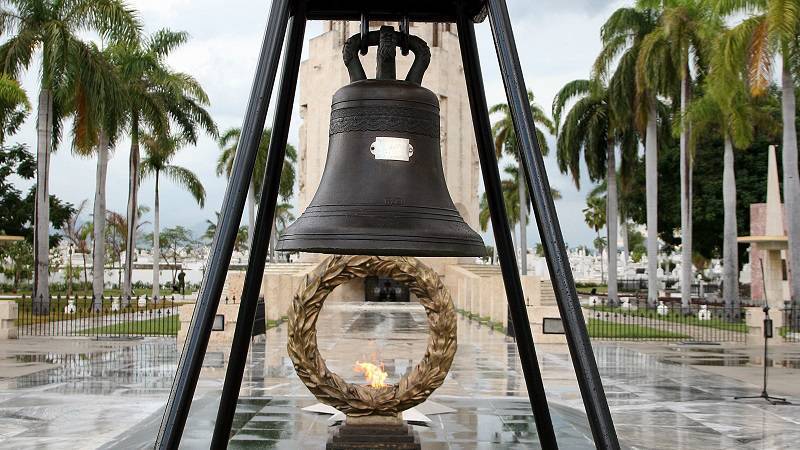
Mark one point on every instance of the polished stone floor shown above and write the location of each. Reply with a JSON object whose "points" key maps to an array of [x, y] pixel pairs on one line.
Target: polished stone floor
{"points": [[77, 393]]}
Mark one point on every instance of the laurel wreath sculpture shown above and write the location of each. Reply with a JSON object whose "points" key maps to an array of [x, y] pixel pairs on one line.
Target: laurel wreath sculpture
{"points": [[363, 400]]}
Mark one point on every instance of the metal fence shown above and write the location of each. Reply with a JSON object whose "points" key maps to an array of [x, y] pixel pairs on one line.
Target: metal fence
{"points": [[635, 319], [790, 331], [88, 316], [639, 285]]}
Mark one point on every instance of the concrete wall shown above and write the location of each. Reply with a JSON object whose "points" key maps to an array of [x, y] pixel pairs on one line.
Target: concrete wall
{"points": [[9, 311]]}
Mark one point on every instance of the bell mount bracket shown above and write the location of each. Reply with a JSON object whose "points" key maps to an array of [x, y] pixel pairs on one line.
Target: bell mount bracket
{"points": [[292, 15]]}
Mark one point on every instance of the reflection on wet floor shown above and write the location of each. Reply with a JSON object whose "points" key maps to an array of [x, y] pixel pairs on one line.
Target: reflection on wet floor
{"points": [[110, 395], [722, 356]]}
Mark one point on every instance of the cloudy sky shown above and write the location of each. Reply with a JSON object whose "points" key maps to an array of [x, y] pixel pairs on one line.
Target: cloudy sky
{"points": [[557, 40]]}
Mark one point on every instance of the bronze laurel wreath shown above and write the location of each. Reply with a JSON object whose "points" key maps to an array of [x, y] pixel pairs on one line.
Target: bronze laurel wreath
{"points": [[361, 400]]}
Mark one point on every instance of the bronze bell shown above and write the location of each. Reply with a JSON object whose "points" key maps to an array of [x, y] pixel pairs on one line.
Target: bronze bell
{"points": [[383, 190]]}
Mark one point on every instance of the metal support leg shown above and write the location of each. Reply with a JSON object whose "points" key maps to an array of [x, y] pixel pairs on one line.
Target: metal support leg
{"points": [[502, 232], [262, 234], [594, 397], [194, 350]]}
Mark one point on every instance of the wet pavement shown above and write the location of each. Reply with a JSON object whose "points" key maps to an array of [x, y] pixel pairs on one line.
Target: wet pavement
{"points": [[79, 393]]}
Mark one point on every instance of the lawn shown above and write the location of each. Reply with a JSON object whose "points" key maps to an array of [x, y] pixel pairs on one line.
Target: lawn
{"points": [[83, 310], [611, 330], [163, 326], [676, 317]]}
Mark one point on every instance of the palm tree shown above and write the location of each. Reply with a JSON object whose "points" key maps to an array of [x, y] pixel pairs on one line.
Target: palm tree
{"points": [[685, 28], [14, 107], [594, 127], [159, 152], [769, 32], [229, 143], [728, 107], [283, 217], [595, 216], [78, 237], [211, 229], [54, 28], [505, 138], [511, 196], [117, 233], [99, 106], [641, 73], [156, 97]]}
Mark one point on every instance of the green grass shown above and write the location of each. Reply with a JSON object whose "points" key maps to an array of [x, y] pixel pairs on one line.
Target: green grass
{"points": [[165, 326], [720, 324], [611, 330], [83, 307]]}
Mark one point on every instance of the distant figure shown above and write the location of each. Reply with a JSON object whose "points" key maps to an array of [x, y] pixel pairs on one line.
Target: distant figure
{"points": [[704, 313], [662, 309], [182, 282]]}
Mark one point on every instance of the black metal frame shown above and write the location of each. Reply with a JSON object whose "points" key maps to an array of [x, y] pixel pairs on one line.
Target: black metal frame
{"points": [[463, 13]]}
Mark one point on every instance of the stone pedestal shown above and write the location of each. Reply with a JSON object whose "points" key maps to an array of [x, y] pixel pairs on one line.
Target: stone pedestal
{"points": [[754, 317], [9, 311], [373, 432]]}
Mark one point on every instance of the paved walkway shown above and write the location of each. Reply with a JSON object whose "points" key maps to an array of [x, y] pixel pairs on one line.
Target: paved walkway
{"points": [[79, 393]]}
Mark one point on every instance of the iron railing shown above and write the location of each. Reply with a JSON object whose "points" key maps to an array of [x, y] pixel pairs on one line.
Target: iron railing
{"points": [[790, 331], [635, 319], [88, 316]]}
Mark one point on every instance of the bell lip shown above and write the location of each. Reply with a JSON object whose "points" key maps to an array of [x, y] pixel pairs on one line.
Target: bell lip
{"points": [[380, 248]]}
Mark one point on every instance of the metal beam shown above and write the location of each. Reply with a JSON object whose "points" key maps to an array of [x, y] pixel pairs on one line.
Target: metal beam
{"points": [[194, 350], [263, 228], [502, 232], [591, 387]]}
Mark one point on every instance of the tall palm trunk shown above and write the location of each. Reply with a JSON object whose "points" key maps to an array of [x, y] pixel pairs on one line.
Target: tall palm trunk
{"points": [[611, 220], [651, 182], [133, 188], [791, 184], [730, 250], [251, 216], [99, 231], [523, 222], [41, 235], [686, 197], [156, 246], [623, 232]]}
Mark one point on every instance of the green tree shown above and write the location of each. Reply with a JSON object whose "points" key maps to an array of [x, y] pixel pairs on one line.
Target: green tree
{"points": [[159, 152], [160, 99], [594, 128], [727, 107], [179, 244], [686, 27], [770, 31], [99, 104], [595, 216], [14, 107], [642, 72], [505, 140], [53, 28], [16, 262], [229, 143]]}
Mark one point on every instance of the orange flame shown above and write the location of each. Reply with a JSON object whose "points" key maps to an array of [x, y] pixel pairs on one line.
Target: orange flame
{"points": [[373, 374]]}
